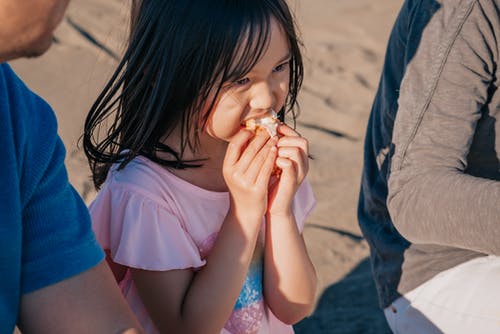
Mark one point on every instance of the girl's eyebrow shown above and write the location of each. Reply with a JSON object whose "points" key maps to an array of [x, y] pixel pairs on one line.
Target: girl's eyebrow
{"points": [[285, 58]]}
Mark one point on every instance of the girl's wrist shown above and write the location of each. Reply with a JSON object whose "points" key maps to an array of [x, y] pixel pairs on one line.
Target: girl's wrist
{"points": [[279, 215], [248, 220]]}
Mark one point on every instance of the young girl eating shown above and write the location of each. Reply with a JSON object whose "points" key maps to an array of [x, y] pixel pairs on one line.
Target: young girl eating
{"points": [[202, 234]]}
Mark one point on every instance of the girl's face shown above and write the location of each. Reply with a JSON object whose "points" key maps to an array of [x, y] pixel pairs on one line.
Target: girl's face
{"points": [[263, 89]]}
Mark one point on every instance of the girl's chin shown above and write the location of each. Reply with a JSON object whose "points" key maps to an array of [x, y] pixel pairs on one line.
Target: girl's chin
{"points": [[220, 138], [225, 137]]}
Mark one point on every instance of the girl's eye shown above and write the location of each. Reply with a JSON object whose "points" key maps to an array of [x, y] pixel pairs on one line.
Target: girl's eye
{"points": [[281, 67], [241, 82]]}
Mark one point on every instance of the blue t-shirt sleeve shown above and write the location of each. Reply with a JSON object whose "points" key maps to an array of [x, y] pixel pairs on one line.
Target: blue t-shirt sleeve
{"points": [[57, 238]]}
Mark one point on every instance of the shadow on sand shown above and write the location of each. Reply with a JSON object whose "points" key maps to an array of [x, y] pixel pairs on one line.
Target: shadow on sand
{"points": [[349, 306]]}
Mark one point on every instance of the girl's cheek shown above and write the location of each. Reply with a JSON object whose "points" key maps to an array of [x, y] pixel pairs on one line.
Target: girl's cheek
{"points": [[233, 131], [222, 129]]}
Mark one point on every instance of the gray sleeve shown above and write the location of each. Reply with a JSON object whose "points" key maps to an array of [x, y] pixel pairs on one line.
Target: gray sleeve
{"points": [[432, 200]]}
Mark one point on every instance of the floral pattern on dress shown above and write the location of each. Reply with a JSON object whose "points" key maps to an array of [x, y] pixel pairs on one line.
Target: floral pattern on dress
{"points": [[249, 309]]}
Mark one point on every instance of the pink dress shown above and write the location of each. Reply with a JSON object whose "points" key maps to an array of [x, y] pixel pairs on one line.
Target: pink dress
{"points": [[150, 219]]}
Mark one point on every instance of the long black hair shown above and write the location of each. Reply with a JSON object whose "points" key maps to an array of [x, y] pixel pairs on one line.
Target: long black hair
{"points": [[180, 51]]}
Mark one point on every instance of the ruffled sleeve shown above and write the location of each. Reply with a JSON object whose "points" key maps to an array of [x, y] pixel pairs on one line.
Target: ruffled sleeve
{"points": [[303, 204], [141, 233]]}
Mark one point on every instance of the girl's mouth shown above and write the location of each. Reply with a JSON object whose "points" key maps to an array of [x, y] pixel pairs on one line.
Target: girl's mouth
{"points": [[268, 123]]}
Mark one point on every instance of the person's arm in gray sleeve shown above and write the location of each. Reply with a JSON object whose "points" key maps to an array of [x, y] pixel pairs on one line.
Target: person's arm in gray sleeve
{"points": [[446, 92]]}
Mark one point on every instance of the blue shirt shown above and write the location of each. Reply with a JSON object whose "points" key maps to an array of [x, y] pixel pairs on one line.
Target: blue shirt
{"points": [[45, 231]]}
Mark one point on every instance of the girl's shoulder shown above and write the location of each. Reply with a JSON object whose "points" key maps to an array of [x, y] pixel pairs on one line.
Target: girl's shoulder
{"points": [[151, 180], [137, 214], [140, 176]]}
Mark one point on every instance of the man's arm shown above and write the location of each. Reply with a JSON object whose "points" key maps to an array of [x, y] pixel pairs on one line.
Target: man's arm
{"points": [[432, 200], [65, 285], [86, 303]]}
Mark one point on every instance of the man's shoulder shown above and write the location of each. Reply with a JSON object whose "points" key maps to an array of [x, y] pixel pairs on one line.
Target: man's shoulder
{"points": [[16, 95], [23, 112], [9, 81]]}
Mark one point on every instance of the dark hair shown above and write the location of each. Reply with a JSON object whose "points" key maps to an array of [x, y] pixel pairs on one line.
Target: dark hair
{"points": [[180, 51]]}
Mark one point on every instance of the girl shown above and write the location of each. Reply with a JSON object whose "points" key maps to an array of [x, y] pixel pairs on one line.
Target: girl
{"points": [[200, 235]]}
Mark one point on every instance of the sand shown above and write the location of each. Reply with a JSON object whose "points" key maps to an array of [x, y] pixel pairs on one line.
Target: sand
{"points": [[344, 44]]}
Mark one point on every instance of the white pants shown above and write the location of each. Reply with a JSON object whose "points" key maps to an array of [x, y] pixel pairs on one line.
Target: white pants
{"points": [[464, 299]]}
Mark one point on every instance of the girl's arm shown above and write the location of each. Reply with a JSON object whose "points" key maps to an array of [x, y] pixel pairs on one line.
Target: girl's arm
{"points": [[289, 276], [184, 301]]}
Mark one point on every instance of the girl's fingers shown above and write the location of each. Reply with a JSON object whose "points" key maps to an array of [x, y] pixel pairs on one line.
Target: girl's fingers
{"points": [[252, 149], [255, 167], [264, 175], [295, 148], [297, 156], [288, 177], [284, 163], [236, 147], [285, 130], [295, 141]]}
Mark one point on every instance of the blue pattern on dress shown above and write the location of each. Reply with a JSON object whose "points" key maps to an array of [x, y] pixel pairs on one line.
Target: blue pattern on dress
{"points": [[251, 291]]}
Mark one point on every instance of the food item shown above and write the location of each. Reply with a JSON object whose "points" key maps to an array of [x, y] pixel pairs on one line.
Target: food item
{"points": [[270, 124]]}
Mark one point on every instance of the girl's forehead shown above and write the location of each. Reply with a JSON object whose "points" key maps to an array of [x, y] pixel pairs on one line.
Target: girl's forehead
{"points": [[275, 42]]}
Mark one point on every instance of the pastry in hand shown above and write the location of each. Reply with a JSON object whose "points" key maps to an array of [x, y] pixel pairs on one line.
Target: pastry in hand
{"points": [[268, 123]]}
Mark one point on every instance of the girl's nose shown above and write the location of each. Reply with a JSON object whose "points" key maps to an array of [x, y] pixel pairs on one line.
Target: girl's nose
{"points": [[263, 96]]}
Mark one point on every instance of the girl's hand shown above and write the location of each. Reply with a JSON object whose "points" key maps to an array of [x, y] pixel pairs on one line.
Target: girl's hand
{"points": [[293, 151], [247, 170]]}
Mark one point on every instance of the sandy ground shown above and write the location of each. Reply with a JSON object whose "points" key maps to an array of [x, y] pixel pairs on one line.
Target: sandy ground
{"points": [[344, 48]]}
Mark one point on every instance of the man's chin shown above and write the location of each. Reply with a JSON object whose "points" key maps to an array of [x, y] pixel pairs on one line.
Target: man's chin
{"points": [[34, 53], [31, 51], [38, 49]]}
